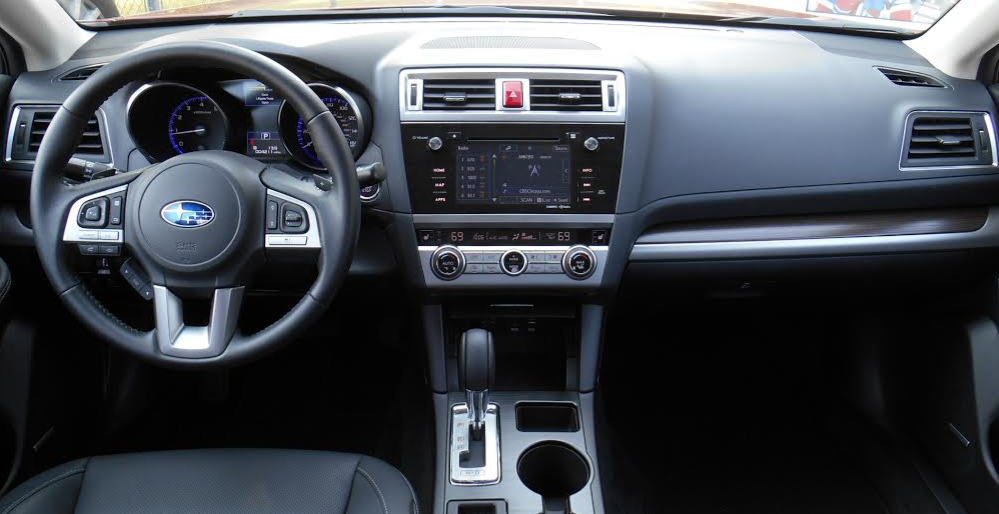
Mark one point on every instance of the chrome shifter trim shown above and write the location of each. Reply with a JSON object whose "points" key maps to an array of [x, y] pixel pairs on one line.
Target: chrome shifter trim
{"points": [[459, 445]]}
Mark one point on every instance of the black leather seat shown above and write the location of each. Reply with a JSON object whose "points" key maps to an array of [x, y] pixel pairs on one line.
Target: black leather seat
{"points": [[217, 482]]}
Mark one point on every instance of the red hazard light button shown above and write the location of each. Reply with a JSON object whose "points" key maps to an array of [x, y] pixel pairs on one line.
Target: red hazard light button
{"points": [[513, 94]]}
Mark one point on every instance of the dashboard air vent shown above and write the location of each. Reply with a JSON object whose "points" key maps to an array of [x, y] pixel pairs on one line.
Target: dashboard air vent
{"points": [[948, 139], [908, 78], [459, 94], [28, 127], [81, 73], [566, 95]]}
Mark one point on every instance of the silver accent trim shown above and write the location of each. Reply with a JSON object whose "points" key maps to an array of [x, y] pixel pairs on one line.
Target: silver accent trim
{"points": [[71, 234], [16, 113], [989, 126], [152, 85], [491, 472], [361, 125], [409, 112], [311, 235], [985, 237], [176, 339], [562, 220]]}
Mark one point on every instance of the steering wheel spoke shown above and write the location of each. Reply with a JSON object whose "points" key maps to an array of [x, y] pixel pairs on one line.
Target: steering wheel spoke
{"points": [[177, 339], [291, 223]]}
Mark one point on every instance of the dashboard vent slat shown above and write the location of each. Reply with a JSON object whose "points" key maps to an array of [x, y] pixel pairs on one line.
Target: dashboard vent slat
{"points": [[91, 141], [81, 73], [566, 95], [459, 94], [948, 139], [910, 79]]}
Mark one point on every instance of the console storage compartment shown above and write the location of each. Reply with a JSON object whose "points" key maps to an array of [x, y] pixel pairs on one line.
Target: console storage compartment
{"points": [[547, 417]]}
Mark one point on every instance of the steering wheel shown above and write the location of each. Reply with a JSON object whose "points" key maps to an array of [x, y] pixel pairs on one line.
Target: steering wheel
{"points": [[200, 223]]}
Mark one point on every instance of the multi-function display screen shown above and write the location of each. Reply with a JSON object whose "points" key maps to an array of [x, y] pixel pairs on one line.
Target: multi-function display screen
{"points": [[513, 173]]}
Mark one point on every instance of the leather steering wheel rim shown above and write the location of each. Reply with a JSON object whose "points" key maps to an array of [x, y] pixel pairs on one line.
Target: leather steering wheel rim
{"points": [[337, 210]]}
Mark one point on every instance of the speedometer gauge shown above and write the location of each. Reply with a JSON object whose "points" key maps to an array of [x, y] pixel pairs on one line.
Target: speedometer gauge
{"points": [[345, 109], [196, 124]]}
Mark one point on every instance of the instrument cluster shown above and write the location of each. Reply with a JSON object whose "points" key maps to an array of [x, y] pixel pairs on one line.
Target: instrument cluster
{"points": [[167, 118]]}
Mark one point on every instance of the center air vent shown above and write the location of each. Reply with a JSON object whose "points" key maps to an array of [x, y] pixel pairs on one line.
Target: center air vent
{"points": [[30, 124], [948, 139], [566, 95], [81, 73], [459, 94], [909, 78]]}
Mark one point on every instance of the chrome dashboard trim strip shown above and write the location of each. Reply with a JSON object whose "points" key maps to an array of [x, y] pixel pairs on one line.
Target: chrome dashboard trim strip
{"points": [[985, 237]]}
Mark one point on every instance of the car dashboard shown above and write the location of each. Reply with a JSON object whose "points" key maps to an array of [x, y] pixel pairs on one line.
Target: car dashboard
{"points": [[544, 156]]}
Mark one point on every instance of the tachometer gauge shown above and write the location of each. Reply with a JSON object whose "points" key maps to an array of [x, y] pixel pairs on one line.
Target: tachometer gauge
{"points": [[196, 124], [348, 114], [166, 119]]}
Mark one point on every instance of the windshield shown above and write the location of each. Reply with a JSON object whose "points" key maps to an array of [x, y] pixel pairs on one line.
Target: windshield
{"points": [[903, 16]]}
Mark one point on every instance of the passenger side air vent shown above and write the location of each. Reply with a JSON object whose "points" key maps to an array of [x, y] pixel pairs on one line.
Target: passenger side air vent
{"points": [[935, 139], [566, 95], [459, 94], [81, 73], [29, 125], [908, 78]]}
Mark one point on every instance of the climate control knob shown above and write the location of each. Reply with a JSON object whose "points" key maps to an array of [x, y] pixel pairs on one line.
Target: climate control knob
{"points": [[579, 262], [447, 262], [513, 262]]}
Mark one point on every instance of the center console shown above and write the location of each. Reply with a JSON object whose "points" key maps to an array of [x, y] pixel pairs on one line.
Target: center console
{"points": [[513, 177]]}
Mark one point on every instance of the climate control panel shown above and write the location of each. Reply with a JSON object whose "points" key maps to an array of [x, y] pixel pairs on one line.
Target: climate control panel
{"points": [[450, 262]]}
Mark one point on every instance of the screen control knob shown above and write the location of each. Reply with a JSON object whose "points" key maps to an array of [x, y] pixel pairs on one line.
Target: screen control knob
{"points": [[591, 144], [435, 143], [579, 262], [513, 262], [447, 262]]}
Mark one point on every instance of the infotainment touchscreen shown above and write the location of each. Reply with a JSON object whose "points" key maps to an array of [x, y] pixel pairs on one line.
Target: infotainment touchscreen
{"points": [[476, 168], [504, 173]]}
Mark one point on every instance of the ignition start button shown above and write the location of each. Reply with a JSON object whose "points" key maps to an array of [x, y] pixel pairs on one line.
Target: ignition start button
{"points": [[514, 262]]}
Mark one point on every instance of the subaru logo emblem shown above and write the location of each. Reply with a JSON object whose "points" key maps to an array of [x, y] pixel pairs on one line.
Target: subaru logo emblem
{"points": [[187, 214]]}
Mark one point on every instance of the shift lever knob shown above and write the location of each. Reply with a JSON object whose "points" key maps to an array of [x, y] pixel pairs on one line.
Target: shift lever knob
{"points": [[477, 370]]}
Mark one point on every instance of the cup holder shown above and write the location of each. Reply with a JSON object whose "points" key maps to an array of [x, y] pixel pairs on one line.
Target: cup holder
{"points": [[554, 470]]}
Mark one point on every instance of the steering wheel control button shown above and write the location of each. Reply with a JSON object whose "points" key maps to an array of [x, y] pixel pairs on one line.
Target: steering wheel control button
{"points": [[513, 94], [278, 240], [117, 207], [89, 249], [435, 143], [272, 215], [513, 262], [93, 214], [579, 262], [447, 263], [293, 218], [591, 144], [110, 250]]}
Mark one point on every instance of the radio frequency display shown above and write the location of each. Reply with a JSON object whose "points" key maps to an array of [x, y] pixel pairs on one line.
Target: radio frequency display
{"points": [[514, 173]]}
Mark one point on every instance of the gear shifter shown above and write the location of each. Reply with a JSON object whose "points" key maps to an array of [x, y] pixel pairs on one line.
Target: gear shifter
{"points": [[477, 367]]}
